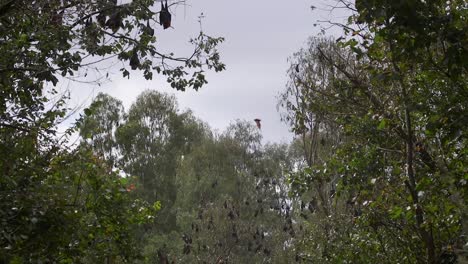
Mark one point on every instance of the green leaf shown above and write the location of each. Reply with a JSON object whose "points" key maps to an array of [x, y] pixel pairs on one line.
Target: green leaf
{"points": [[383, 124], [396, 212], [88, 111]]}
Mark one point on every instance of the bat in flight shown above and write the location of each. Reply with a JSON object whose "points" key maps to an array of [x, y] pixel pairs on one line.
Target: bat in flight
{"points": [[257, 121]]}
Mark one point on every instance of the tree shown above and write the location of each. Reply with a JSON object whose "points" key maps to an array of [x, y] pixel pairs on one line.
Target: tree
{"points": [[152, 140], [147, 143], [232, 200], [67, 207], [321, 214], [43, 41], [393, 105], [106, 115], [60, 204]]}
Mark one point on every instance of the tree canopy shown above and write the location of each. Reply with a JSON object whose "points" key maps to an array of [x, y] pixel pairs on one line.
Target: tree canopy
{"points": [[390, 98], [72, 205], [376, 172]]}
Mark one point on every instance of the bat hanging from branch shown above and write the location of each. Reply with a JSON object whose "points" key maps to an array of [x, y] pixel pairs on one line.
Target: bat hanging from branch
{"points": [[165, 16]]}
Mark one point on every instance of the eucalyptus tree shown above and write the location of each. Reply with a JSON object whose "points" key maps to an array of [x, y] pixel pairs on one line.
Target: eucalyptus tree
{"points": [[146, 143], [313, 179], [232, 200], [105, 115], [399, 106], [152, 140]]}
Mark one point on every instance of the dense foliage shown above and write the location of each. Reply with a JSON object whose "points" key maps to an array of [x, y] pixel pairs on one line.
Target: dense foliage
{"points": [[390, 99], [223, 197], [376, 173], [63, 204]]}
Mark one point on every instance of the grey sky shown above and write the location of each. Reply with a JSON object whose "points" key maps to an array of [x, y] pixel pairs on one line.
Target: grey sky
{"points": [[260, 36]]}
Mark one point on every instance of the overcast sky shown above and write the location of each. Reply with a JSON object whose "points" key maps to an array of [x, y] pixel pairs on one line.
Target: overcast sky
{"points": [[260, 36]]}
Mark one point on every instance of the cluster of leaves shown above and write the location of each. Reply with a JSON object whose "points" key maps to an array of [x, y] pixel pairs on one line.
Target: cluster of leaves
{"points": [[63, 206], [392, 93]]}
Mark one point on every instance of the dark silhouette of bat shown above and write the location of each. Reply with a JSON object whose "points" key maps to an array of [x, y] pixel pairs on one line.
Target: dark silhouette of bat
{"points": [[424, 155], [115, 21], [165, 16], [148, 30], [257, 121]]}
